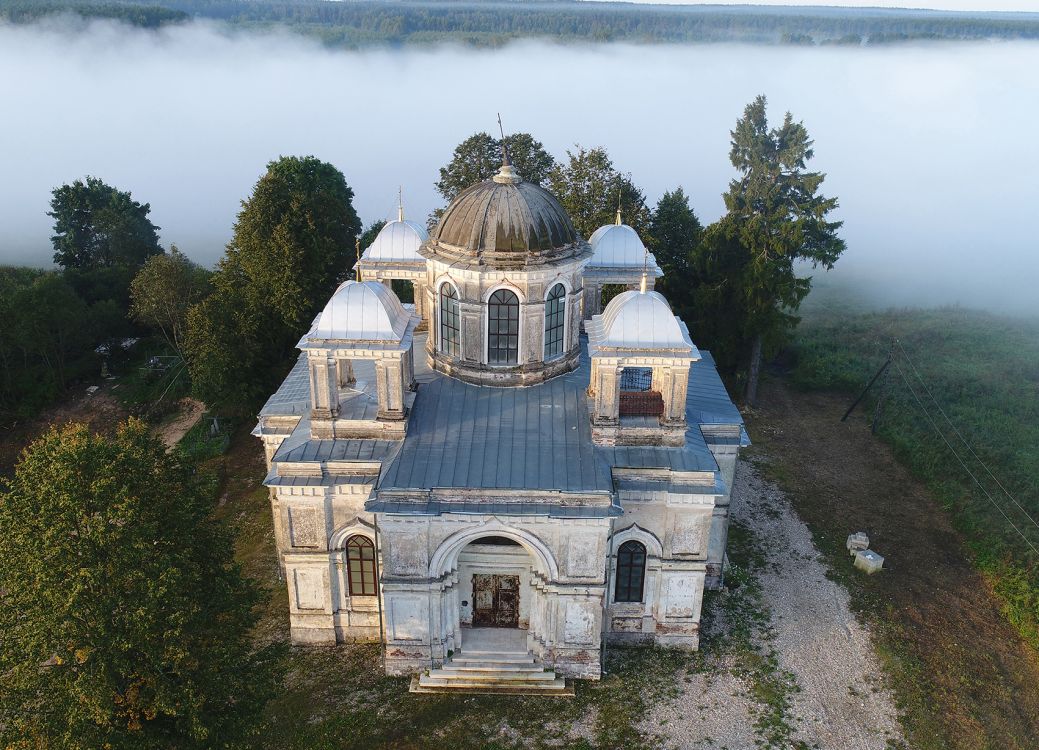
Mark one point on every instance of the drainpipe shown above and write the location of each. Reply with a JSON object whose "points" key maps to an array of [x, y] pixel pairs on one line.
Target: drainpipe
{"points": [[606, 603], [378, 589]]}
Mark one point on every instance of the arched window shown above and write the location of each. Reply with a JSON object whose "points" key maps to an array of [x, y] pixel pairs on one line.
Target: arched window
{"points": [[503, 328], [631, 572], [450, 339], [360, 566], [555, 319]]}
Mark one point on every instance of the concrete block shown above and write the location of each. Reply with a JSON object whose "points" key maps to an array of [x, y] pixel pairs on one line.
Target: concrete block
{"points": [[857, 541], [868, 561]]}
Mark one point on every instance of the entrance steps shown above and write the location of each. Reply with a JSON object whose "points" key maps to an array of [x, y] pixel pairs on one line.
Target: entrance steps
{"points": [[492, 672]]}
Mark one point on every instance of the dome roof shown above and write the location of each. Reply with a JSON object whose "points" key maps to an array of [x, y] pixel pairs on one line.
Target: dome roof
{"points": [[640, 320], [398, 240], [505, 222], [361, 310], [618, 245]]}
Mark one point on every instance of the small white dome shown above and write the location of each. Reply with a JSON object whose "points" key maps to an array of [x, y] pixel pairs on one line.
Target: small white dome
{"points": [[618, 245], [361, 310], [641, 320], [398, 240]]}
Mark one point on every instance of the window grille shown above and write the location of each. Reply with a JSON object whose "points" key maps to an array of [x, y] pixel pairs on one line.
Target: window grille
{"points": [[450, 330], [631, 572], [555, 320], [360, 566], [503, 328]]}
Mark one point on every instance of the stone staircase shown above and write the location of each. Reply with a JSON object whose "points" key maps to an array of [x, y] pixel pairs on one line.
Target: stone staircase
{"points": [[492, 672]]}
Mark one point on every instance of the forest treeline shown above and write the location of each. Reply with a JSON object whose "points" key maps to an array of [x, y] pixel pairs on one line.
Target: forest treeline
{"points": [[356, 24]]}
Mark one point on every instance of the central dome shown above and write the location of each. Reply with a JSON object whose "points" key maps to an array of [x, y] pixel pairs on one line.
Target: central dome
{"points": [[504, 222]]}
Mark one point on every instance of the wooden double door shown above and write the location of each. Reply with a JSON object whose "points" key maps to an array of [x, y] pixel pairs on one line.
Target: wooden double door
{"points": [[496, 601]]}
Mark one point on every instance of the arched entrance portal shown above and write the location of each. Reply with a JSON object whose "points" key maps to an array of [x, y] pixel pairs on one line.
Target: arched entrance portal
{"points": [[493, 581]]}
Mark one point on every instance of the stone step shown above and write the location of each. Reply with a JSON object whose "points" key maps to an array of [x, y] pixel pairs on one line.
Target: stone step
{"points": [[557, 688], [487, 657], [488, 666], [488, 675]]}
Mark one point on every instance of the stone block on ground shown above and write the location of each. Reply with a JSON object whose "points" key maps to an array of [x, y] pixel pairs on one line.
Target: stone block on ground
{"points": [[857, 541], [868, 561]]}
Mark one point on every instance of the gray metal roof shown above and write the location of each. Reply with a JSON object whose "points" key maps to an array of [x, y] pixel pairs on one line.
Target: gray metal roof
{"points": [[468, 436], [293, 395], [437, 507], [708, 402], [463, 435], [505, 223]]}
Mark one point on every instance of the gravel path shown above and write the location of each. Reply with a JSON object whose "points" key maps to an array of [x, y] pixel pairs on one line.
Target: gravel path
{"points": [[842, 703]]}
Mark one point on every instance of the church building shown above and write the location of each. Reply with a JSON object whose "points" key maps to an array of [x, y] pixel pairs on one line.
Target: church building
{"points": [[505, 476]]}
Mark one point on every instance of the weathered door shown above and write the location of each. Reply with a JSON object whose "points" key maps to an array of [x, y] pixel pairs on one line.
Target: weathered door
{"points": [[495, 601]]}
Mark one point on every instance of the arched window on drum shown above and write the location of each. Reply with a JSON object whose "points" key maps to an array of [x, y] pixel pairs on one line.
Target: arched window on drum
{"points": [[555, 321], [450, 330], [503, 328]]}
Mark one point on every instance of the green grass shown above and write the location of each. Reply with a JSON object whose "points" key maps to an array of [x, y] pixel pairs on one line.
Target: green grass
{"points": [[199, 444], [983, 371]]}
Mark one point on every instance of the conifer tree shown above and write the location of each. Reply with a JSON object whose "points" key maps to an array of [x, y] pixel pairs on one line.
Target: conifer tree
{"points": [[778, 218]]}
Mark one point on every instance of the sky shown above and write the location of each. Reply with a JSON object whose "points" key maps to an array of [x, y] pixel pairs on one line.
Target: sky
{"points": [[929, 147], [976, 5]]}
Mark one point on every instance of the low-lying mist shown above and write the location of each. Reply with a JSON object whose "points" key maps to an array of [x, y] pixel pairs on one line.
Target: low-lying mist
{"points": [[931, 149]]}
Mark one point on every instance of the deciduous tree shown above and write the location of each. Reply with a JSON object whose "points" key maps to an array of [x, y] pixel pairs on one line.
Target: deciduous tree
{"points": [[591, 189], [98, 226], [294, 239], [163, 290], [125, 620]]}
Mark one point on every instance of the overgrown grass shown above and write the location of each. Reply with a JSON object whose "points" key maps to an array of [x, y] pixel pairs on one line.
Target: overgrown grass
{"points": [[983, 371], [200, 443]]}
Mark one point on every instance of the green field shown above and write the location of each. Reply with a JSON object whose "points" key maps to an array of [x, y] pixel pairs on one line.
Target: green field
{"points": [[971, 376]]}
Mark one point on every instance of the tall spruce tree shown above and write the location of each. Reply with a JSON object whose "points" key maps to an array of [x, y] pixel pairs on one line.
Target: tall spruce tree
{"points": [[776, 214], [292, 243], [125, 620]]}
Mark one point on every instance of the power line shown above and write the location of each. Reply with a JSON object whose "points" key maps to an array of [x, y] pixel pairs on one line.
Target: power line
{"points": [[966, 468], [963, 439]]}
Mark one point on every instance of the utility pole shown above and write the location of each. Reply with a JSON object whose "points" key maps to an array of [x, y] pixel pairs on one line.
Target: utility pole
{"points": [[881, 371], [878, 410]]}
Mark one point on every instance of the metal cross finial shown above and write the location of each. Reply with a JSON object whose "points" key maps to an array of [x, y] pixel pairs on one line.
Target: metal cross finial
{"points": [[504, 149]]}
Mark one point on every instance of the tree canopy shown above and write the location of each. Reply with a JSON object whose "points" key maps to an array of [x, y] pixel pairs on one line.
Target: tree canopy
{"points": [[163, 290], [478, 158], [673, 236], [125, 620], [98, 226], [591, 189], [292, 243]]}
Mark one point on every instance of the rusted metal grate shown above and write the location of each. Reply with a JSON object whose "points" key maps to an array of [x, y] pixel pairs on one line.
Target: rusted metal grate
{"points": [[641, 404]]}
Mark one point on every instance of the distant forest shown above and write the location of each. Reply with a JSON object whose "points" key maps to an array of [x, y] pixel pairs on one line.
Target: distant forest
{"points": [[357, 23]]}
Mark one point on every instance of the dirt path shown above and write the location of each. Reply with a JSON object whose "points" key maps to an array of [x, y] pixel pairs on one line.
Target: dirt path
{"points": [[964, 678], [825, 656], [100, 410], [188, 413], [842, 702]]}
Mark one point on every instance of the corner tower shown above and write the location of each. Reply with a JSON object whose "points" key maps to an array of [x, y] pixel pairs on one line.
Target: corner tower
{"points": [[504, 284]]}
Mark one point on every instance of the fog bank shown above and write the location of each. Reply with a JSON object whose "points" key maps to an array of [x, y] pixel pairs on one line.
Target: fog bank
{"points": [[930, 149]]}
